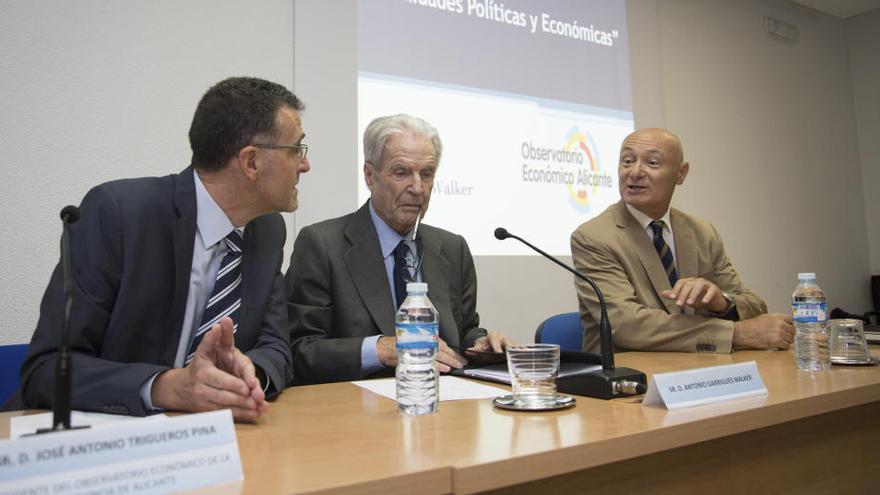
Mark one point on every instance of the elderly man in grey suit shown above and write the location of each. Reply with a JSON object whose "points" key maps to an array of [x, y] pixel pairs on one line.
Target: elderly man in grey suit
{"points": [[344, 281], [668, 283]]}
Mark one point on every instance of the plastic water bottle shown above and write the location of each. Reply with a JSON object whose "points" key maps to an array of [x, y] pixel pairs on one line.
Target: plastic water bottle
{"points": [[418, 381], [808, 310]]}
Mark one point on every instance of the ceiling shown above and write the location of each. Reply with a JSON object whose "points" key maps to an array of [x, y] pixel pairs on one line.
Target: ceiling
{"points": [[842, 9]]}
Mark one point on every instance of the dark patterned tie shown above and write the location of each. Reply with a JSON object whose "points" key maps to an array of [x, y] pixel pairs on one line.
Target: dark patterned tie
{"points": [[404, 270], [225, 297], [664, 252]]}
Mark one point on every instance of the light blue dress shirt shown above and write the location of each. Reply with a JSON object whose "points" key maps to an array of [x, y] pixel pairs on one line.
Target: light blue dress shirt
{"points": [[388, 241], [212, 226]]}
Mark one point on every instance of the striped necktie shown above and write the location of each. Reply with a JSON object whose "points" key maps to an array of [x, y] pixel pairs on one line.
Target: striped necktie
{"points": [[664, 251], [225, 297], [404, 270]]}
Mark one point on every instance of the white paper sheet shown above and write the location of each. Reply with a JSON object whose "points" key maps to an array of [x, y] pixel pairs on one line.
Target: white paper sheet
{"points": [[451, 388], [24, 425]]}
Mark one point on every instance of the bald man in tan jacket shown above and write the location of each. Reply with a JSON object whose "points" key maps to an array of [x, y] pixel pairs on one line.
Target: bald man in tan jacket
{"points": [[667, 281]]}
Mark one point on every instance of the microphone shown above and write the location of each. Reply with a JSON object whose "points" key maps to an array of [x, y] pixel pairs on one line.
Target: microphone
{"points": [[69, 214], [416, 227], [61, 395], [608, 382], [417, 244]]}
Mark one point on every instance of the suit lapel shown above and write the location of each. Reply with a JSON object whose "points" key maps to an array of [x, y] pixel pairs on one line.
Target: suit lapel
{"points": [[183, 233], [685, 249], [637, 240], [366, 267], [250, 254], [685, 246], [435, 272]]}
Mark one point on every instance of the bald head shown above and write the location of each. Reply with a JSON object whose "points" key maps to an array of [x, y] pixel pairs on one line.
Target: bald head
{"points": [[660, 139], [651, 165]]}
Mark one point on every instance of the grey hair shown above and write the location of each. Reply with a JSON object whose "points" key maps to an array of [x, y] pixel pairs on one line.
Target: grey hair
{"points": [[382, 127]]}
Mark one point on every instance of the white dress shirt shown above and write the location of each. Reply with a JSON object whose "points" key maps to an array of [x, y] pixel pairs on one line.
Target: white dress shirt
{"points": [[645, 222]]}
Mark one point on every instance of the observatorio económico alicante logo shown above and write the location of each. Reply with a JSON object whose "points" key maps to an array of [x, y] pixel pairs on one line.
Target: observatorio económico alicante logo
{"points": [[574, 165]]}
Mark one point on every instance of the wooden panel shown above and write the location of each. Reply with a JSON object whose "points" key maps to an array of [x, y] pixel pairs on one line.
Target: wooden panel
{"points": [[339, 438], [603, 432], [832, 453]]}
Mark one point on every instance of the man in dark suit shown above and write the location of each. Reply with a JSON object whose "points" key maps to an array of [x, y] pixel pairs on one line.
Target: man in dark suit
{"points": [[341, 285], [178, 297]]}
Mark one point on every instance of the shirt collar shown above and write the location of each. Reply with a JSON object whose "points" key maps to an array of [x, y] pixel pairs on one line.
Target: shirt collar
{"points": [[388, 237], [212, 224], [645, 220]]}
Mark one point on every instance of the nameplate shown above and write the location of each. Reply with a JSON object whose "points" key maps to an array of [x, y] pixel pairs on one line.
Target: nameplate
{"points": [[180, 453], [694, 387]]}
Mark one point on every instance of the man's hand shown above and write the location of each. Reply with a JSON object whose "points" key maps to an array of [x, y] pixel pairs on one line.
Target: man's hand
{"points": [[770, 331], [448, 358], [218, 377], [492, 342], [386, 349], [697, 293]]}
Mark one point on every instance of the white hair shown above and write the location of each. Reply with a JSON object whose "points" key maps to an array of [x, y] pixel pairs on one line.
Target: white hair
{"points": [[382, 127]]}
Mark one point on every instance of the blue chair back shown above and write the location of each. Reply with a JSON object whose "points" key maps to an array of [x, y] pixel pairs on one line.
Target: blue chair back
{"points": [[11, 357], [564, 329]]}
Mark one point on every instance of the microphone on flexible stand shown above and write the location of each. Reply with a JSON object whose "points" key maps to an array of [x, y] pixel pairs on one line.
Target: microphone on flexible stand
{"points": [[608, 382], [61, 397], [415, 229], [417, 245]]}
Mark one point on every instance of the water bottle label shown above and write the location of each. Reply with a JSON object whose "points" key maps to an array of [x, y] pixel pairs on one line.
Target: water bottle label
{"points": [[417, 335], [808, 312]]}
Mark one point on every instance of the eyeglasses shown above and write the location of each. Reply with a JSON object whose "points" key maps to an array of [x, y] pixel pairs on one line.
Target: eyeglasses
{"points": [[299, 150]]}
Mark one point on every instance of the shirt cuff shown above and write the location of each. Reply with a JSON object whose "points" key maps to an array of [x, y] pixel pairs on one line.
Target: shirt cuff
{"points": [[369, 357], [263, 377], [146, 396]]}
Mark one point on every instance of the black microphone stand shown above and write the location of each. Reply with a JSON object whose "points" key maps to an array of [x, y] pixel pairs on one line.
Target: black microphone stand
{"points": [[61, 395], [609, 382]]}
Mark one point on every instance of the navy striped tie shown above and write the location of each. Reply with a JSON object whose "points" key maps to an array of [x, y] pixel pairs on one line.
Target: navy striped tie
{"points": [[225, 297], [404, 270], [664, 252]]}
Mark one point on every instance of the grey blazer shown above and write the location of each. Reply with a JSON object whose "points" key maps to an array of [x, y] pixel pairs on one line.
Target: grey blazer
{"points": [[338, 294]]}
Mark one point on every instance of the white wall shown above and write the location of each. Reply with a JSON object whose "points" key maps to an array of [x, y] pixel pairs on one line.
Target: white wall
{"points": [[94, 90], [769, 130], [863, 40], [326, 78]]}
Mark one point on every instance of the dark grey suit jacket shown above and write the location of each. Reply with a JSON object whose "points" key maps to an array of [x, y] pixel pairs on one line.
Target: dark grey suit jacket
{"points": [[132, 257], [338, 294]]}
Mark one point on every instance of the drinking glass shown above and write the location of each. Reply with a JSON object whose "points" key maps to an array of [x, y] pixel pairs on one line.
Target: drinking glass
{"points": [[848, 344], [533, 371]]}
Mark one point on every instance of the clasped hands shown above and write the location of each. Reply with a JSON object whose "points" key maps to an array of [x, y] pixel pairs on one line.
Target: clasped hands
{"points": [[766, 331], [219, 377], [447, 358]]}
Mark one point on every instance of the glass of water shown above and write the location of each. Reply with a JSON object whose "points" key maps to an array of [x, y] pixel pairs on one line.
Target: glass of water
{"points": [[533, 371], [848, 343]]}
